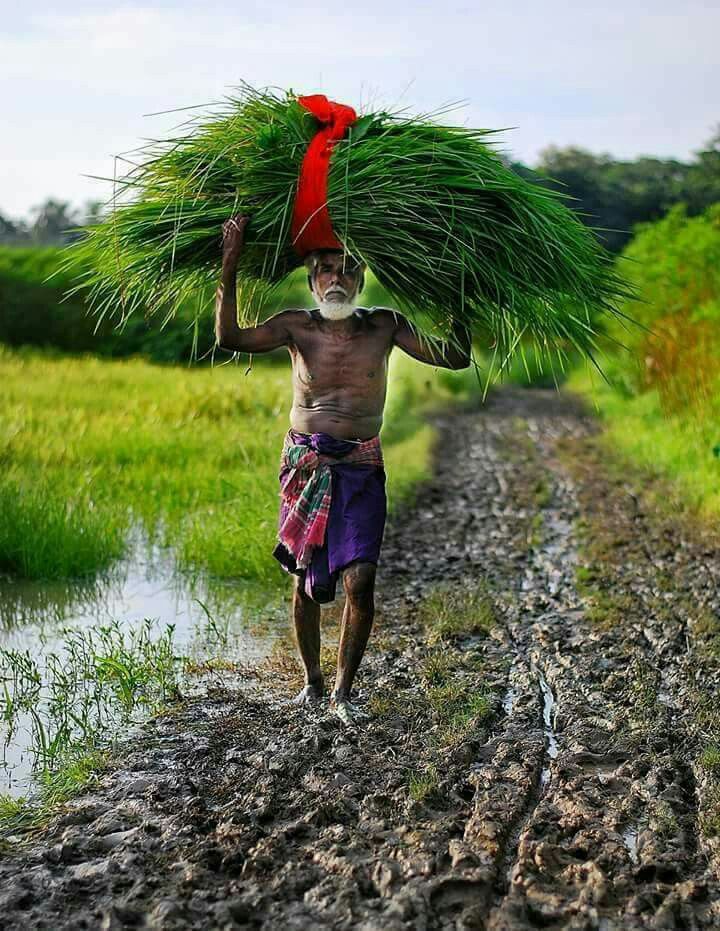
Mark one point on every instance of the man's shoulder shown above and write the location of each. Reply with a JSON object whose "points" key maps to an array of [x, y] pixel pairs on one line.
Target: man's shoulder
{"points": [[304, 315], [295, 316], [292, 313], [297, 319], [382, 315]]}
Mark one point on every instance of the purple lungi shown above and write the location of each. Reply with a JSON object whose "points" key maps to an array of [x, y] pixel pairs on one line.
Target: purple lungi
{"points": [[356, 521]]}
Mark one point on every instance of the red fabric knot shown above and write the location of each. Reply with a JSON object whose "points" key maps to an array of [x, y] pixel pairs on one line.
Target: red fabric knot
{"points": [[311, 226]]}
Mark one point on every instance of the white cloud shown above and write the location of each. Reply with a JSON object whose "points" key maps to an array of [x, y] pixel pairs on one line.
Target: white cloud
{"points": [[620, 77]]}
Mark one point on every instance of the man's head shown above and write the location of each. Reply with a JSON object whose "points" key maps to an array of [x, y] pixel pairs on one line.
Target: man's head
{"points": [[335, 279]]}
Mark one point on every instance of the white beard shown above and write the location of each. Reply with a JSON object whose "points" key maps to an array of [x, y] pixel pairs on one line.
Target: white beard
{"points": [[332, 310]]}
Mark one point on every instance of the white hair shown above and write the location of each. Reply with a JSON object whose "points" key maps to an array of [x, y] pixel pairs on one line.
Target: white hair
{"points": [[312, 260], [332, 310]]}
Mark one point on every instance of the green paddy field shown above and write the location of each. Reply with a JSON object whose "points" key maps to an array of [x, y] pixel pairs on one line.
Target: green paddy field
{"points": [[90, 446]]}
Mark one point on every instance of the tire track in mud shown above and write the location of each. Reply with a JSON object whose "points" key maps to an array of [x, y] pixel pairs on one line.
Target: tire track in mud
{"points": [[577, 861], [574, 806]]}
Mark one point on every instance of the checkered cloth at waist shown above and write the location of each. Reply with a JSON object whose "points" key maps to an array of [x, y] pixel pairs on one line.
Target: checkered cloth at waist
{"points": [[306, 490]]}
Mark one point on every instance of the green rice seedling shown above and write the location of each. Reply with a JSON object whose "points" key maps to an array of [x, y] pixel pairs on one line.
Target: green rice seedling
{"points": [[8, 704], [448, 229], [100, 679], [22, 682], [216, 632], [45, 534]]}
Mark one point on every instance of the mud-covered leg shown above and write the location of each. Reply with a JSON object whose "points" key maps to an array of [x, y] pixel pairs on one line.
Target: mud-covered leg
{"points": [[306, 620], [359, 585]]}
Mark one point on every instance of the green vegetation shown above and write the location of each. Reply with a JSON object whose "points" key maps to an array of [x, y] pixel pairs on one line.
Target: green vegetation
{"points": [[613, 195], [642, 689], [51, 223], [605, 604], [88, 447], [42, 534], [453, 691], [709, 819], [423, 786], [459, 707], [450, 612], [706, 632], [662, 409], [450, 703], [98, 677], [710, 759], [663, 820], [190, 453], [67, 709], [454, 702], [470, 239], [53, 789], [35, 312], [678, 447]]}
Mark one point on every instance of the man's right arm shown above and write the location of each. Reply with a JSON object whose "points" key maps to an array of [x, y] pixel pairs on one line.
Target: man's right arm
{"points": [[268, 336]]}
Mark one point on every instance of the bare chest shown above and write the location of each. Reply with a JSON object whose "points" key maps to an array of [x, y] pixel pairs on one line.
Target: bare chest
{"points": [[322, 359]]}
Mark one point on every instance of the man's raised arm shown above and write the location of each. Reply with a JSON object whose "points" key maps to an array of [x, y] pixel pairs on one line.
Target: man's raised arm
{"points": [[455, 353], [268, 336]]}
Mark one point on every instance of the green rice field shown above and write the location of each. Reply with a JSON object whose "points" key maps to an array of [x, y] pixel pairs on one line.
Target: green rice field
{"points": [[91, 447]]}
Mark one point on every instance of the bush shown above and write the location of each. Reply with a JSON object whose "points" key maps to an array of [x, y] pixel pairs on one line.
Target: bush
{"points": [[675, 264], [663, 405], [35, 312]]}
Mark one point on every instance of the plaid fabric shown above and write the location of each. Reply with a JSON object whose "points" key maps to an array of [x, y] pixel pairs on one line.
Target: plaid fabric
{"points": [[306, 490]]}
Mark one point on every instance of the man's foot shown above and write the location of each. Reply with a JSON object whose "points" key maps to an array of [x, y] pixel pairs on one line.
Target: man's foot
{"points": [[348, 713], [310, 695]]}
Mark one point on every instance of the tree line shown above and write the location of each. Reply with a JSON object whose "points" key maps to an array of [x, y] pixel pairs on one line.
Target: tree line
{"points": [[612, 196], [52, 223]]}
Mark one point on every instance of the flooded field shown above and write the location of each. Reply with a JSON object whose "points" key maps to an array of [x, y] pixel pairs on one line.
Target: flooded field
{"points": [[202, 617]]}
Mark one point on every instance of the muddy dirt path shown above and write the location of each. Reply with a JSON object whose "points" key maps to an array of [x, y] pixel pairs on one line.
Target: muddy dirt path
{"points": [[532, 766]]}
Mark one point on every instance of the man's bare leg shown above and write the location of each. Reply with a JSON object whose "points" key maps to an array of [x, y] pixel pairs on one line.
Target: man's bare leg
{"points": [[359, 585], [306, 619]]}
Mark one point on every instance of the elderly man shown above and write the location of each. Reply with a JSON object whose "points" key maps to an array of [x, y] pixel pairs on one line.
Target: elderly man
{"points": [[332, 478]]}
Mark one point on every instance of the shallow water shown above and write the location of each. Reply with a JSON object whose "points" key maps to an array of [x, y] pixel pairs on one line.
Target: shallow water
{"points": [[548, 712], [34, 614]]}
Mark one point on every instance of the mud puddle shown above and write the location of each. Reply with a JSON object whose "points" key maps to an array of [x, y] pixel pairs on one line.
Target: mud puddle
{"points": [[206, 618], [548, 715]]}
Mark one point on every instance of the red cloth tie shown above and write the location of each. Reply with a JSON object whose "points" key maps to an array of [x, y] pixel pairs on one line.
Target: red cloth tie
{"points": [[311, 226]]}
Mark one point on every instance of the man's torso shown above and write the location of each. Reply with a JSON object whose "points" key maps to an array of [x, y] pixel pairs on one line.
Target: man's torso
{"points": [[340, 372]]}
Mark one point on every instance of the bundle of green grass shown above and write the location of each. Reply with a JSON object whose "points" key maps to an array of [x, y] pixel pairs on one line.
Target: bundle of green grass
{"points": [[447, 228]]}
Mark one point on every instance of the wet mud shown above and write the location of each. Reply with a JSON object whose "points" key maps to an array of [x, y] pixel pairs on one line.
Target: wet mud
{"points": [[570, 797]]}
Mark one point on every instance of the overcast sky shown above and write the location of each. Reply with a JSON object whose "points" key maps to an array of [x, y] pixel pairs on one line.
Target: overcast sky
{"points": [[617, 76]]}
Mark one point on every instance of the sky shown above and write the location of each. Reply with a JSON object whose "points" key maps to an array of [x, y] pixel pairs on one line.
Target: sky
{"points": [[626, 78]]}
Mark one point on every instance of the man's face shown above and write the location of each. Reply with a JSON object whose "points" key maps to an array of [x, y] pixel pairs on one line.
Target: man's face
{"points": [[336, 278]]}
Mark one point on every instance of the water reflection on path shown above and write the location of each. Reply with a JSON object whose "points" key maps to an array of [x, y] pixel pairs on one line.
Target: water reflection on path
{"points": [[33, 615]]}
